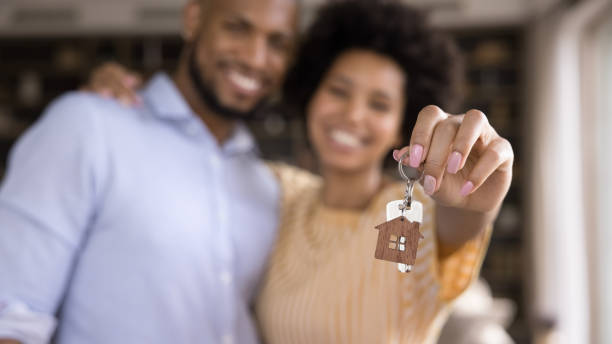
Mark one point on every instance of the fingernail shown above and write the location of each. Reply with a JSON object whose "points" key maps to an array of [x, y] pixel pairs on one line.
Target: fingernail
{"points": [[416, 153], [466, 189], [105, 94], [454, 160], [429, 184], [396, 154], [129, 81]]}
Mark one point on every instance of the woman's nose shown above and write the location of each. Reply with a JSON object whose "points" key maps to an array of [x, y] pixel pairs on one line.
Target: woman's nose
{"points": [[355, 110]]}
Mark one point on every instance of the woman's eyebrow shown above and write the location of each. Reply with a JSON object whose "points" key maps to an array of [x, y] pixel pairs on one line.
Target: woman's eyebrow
{"points": [[341, 78]]}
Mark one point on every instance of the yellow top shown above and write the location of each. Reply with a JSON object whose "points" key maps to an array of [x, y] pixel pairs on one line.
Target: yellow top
{"points": [[325, 286]]}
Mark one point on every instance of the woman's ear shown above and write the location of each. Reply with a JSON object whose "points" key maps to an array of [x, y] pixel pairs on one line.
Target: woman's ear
{"points": [[192, 16]]}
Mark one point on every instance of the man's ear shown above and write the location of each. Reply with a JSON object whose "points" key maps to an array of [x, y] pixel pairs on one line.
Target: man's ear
{"points": [[192, 16]]}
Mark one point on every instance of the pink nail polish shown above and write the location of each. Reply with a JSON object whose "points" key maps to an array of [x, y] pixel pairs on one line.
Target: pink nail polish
{"points": [[466, 189], [396, 154], [416, 153], [429, 184], [105, 94], [453, 162], [129, 81]]}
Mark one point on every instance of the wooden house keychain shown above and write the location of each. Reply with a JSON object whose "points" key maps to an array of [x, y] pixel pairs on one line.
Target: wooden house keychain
{"points": [[398, 238]]}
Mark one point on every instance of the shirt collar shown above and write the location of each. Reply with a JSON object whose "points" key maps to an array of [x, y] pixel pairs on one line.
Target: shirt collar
{"points": [[166, 101], [164, 98], [241, 141]]}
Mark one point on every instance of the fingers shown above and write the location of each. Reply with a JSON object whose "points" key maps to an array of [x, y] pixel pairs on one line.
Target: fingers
{"points": [[497, 156], [113, 80], [472, 128], [443, 143], [422, 133], [438, 152], [398, 153]]}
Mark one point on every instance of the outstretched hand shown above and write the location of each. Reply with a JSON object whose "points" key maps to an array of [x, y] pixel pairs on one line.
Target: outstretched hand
{"points": [[466, 164]]}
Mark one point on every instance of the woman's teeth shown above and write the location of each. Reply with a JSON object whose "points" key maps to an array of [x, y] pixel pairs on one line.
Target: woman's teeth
{"points": [[345, 138], [244, 82]]}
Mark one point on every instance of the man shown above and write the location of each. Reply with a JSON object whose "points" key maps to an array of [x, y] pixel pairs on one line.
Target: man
{"points": [[149, 224]]}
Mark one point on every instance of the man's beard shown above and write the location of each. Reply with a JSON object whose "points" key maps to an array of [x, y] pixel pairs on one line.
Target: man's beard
{"points": [[211, 100]]}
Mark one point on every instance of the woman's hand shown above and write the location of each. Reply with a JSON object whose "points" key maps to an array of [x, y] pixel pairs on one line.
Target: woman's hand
{"points": [[112, 80], [467, 165]]}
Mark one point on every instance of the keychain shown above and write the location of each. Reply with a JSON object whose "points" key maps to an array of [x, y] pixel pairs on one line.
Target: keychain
{"points": [[398, 238]]}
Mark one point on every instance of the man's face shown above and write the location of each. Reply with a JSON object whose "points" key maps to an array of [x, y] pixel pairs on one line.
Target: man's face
{"points": [[242, 50]]}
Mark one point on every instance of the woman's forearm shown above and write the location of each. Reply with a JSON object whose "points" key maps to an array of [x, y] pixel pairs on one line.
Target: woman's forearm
{"points": [[457, 226]]}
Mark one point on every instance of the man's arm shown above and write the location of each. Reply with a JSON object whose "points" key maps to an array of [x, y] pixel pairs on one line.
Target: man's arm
{"points": [[46, 201]]}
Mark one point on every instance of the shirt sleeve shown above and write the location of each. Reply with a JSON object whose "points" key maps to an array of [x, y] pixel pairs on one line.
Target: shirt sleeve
{"points": [[461, 267], [458, 269], [47, 200]]}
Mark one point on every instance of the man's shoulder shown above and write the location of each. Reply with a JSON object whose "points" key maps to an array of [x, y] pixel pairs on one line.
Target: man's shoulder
{"points": [[78, 117], [84, 104]]}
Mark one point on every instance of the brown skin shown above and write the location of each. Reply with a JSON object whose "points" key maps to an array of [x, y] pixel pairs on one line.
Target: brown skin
{"points": [[468, 166], [251, 38], [254, 39], [468, 193], [362, 95]]}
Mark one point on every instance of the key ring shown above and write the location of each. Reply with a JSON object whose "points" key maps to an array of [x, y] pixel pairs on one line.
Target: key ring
{"points": [[410, 177]]}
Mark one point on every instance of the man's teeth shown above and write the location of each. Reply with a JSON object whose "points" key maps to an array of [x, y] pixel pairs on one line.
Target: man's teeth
{"points": [[345, 138], [244, 82]]}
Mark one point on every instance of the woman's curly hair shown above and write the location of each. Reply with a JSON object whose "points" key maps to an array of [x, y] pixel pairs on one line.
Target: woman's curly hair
{"points": [[431, 62]]}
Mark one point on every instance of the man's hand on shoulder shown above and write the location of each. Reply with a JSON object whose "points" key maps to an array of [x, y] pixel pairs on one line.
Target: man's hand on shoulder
{"points": [[8, 341]]}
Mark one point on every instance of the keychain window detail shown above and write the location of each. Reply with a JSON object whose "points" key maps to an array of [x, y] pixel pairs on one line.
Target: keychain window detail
{"points": [[393, 244], [398, 238]]}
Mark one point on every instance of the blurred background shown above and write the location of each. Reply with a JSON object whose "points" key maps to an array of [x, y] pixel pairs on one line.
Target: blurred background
{"points": [[540, 69]]}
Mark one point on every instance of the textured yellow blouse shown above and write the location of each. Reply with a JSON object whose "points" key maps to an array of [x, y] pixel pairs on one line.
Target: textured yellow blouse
{"points": [[325, 286]]}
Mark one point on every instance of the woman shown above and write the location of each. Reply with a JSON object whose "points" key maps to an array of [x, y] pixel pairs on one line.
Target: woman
{"points": [[364, 71]]}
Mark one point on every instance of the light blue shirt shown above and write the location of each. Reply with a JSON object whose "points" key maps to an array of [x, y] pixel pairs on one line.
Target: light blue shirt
{"points": [[132, 225]]}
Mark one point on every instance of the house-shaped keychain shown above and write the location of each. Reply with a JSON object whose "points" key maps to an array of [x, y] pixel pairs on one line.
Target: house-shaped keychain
{"points": [[398, 240]]}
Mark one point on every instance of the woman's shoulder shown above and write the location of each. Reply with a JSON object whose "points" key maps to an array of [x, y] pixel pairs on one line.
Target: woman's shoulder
{"points": [[294, 181]]}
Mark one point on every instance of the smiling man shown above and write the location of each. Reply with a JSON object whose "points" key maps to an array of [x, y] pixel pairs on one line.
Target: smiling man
{"points": [[150, 224]]}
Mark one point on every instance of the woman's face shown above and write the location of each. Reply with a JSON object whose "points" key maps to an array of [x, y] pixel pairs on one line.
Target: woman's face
{"points": [[355, 114]]}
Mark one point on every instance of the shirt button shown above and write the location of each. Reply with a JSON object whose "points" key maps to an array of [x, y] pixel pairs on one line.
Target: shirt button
{"points": [[226, 278], [227, 339]]}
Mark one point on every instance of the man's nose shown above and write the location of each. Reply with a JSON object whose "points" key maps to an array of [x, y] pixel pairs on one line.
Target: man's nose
{"points": [[256, 53]]}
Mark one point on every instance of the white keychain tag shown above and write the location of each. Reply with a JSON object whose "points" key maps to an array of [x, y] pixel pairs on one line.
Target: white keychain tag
{"points": [[398, 238]]}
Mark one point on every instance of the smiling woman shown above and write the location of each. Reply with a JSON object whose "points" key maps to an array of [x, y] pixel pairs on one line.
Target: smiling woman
{"points": [[364, 72], [365, 79], [355, 114]]}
